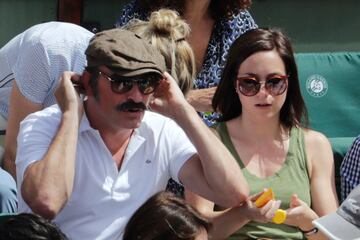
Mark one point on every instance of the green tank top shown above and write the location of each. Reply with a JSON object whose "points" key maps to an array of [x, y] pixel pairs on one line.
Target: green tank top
{"points": [[292, 178]]}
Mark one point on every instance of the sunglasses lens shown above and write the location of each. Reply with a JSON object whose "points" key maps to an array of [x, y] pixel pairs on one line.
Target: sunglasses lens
{"points": [[148, 84], [249, 86], [276, 85], [121, 86], [146, 87]]}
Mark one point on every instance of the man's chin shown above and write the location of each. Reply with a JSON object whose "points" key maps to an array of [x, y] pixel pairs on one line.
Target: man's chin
{"points": [[134, 114], [133, 119]]}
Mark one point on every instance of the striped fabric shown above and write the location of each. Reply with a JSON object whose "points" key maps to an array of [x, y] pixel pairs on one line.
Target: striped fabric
{"points": [[36, 58], [350, 169]]}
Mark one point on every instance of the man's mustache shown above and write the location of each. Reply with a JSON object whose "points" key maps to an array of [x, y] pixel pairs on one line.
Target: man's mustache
{"points": [[130, 105]]}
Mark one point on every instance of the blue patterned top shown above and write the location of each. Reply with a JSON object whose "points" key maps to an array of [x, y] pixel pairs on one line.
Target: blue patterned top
{"points": [[223, 35], [350, 169]]}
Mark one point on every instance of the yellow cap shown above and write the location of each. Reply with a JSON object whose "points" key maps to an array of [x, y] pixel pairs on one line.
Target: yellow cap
{"points": [[280, 216]]}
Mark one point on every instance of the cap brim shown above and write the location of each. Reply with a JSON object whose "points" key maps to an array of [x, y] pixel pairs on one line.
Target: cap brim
{"points": [[140, 71], [337, 228]]}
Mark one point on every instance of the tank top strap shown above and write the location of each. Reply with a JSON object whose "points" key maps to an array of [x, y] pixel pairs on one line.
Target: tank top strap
{"points": [[297, 148]]}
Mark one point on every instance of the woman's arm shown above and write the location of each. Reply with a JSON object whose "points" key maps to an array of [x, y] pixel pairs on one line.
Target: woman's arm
{"points": [[226, 222], [322, 185], [201, 99], [19, 108]]}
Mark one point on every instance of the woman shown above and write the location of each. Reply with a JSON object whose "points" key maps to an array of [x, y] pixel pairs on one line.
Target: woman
{"points": [[167, 32], [263, 124], [214, 26], [165, 216]]}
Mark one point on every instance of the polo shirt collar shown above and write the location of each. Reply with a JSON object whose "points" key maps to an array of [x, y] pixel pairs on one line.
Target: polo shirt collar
{"points": [[136, 140], [84, 124]]}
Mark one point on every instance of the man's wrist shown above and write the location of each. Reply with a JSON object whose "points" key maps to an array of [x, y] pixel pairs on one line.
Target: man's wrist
{"points": [[183, 112]]}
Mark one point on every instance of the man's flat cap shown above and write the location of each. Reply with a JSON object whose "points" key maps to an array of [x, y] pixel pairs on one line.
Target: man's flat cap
{"points": [[124, 51]]}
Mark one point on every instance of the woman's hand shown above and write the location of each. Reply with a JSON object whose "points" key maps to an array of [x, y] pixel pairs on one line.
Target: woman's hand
{"points": [[201, 99], [263, 214], [300, 214]]}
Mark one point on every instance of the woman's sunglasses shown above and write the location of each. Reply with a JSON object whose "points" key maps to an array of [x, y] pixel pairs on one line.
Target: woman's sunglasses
{"points": [[250, 86], [147, 83]]}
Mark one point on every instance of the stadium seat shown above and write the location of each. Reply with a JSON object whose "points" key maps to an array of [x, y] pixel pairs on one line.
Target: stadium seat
{"points": [[330, 85]]}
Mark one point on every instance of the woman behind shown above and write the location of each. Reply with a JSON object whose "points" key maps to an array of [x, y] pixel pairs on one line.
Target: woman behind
{"points": [[165, 216], [214, 26], [263, 124], [167, 32]]}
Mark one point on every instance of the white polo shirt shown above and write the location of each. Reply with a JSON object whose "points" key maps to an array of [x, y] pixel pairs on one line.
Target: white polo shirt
{"points": [[104, 198]]}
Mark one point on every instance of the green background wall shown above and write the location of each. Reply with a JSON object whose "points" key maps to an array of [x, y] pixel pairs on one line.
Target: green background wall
{"points": [[18, 15], [313, 25]]}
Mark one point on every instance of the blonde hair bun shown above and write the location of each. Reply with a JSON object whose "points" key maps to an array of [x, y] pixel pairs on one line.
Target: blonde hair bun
{"points": [[168, 23], [167, 31]]}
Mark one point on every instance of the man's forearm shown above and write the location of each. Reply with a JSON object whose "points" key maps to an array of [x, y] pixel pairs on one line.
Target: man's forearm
{"points": [[221, 171], [48, 183]]}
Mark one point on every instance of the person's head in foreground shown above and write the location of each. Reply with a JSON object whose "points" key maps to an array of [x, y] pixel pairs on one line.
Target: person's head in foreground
{"points": [[28, 226], [166, 216], [133, 69], [344, 224], [167, 31], [237, 87]]}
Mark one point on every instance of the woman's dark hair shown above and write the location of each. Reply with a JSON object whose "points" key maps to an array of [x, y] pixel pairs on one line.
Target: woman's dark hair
{"points": [[226, 101], [28, 226], [165, 216], [218, 8]]}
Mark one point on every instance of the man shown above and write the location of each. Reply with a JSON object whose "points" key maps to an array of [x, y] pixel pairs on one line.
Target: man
{"points": [[97, 168], [350, 169]]}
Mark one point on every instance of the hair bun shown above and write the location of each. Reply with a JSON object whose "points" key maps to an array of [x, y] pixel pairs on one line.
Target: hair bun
{"points": [[168, 23]]}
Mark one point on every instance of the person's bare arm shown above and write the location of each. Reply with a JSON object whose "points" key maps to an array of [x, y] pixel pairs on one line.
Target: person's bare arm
{"points": [[223, 223], [19, 108], [226, 222], [47, 183], [212, 173], [201, 99], [323, 193], [323, 190]]}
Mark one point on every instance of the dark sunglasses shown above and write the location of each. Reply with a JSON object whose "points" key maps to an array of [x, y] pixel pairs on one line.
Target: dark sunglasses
{"points": [[147, 83], [250, 86]]}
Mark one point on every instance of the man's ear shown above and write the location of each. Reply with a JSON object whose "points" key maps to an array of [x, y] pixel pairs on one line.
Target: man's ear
{"points": [[85, 78], [85, 83]]}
